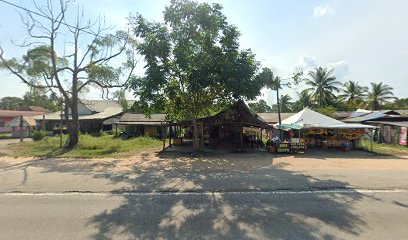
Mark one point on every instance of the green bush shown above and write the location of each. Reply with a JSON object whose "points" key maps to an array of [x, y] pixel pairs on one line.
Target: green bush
{"points": [[38, 135]]}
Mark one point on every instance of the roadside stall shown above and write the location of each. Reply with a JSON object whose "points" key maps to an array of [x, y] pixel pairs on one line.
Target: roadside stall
{"points": [[291, 140], [315, 130]]}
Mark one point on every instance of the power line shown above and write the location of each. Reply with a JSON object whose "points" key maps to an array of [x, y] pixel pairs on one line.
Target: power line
{"points": [[42, 15]]}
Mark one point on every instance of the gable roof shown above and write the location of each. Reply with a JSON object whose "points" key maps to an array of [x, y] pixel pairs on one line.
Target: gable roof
{"points": [[238, 112], [101, 105], [141, 117], [272, 118], [15, 113], [37, 109], [310, 119], [102, 109], [342, 114], [27, 121]]}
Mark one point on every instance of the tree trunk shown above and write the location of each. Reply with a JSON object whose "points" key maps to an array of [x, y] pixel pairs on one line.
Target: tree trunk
{"points": [[73, 124], [73, 127], [196, 145]]}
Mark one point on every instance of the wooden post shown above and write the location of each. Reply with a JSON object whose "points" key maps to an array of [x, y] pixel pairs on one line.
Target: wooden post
{"points": [[116, 129], [241, 136], [21, 128], [164, 138], [170, 133], [43, 123], [61, 119], [202, 134], [372, 139]]}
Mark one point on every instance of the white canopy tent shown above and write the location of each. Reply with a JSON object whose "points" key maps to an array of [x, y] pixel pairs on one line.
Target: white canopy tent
{"points": [[310, 119]]}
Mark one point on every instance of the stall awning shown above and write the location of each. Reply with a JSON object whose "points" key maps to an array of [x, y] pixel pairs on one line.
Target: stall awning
{"points": [[289, 126], [310, 119]]}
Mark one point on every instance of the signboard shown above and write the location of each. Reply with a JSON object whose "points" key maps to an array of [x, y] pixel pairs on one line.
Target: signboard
{"points": [[283, 148], [403, 136], [290, 147]]}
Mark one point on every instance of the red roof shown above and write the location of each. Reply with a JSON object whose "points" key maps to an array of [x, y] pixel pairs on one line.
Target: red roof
{"points": [[37, 109], [14, 113]]}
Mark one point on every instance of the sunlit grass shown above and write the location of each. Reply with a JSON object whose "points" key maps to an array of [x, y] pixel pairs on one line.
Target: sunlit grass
{"points": [[388, 149], [88, 147]]}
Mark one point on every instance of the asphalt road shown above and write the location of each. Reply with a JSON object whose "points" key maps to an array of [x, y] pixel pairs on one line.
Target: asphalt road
{"points": [[269, 215], [257, 196]]}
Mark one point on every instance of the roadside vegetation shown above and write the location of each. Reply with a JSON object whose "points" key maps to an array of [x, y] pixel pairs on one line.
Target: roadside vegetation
{"points": [[386, 149], [90, 146], [5, 135]]}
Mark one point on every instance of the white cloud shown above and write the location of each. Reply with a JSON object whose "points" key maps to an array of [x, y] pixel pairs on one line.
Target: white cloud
{"points": [[321, 11], [341, 70]]}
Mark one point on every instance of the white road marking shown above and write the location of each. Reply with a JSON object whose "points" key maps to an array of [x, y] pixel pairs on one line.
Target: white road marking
{"points": [[158, 193]]}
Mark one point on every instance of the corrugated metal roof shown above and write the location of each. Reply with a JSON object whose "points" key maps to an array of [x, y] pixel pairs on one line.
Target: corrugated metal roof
{"points": [[370, 116], [399, 124], [342, 114], [402, 112], [107, 113], [141, 117], [272, 118], [100, 105]]}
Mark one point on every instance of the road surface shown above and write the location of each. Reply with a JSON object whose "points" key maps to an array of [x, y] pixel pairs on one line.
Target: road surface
{"points": [[349, 214], [352, 195]]}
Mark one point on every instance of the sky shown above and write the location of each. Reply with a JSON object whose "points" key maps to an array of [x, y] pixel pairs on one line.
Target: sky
{"points": [[364, 41]]}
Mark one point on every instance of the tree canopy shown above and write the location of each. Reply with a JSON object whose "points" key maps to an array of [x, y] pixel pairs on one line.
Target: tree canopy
{"points": [[259, 107], [193, 61], [89, 64], [322, 86]]}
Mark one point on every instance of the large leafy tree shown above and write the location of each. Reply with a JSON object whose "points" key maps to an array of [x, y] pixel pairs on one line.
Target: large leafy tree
{"points": [[322, 86], [401, 104], [260, 107], [38, 97], [11, 103], [89, 64], [193, 62], [353, 94], [379, 94]]}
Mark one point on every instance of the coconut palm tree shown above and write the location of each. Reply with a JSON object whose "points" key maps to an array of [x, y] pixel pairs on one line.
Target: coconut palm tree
{"points": [[353, 94], [304, 101], [379, 94], [323, 85], [285, 103]]}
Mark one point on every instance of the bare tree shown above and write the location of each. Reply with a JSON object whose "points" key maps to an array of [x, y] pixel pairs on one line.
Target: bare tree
{"points": [[98, 57]]}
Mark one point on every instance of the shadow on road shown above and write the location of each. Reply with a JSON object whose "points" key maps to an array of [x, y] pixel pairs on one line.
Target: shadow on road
{"points": [[241, 212]]}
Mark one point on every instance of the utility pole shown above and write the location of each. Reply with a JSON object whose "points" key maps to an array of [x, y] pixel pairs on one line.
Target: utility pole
{"points": [[61, 120], [277, 99], [21, 128]]}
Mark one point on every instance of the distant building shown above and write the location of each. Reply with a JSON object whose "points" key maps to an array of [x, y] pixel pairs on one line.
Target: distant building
{"points": [[273, 118], [391, 124], [7, 116], [94, 116], [138, 124]]}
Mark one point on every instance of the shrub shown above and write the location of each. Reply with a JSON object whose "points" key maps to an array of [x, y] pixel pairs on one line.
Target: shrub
{"points": [[38, 135]]}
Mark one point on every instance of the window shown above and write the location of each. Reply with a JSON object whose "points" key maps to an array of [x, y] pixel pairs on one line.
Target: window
{"points": [[1, 124]]}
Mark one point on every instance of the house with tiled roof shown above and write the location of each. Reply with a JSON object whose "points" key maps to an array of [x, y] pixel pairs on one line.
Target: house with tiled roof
{"points": [[94, 116]]}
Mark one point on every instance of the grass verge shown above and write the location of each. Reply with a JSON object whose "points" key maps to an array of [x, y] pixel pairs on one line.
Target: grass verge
{"points": [[5, 135], [386, 149], [88, 147]]}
